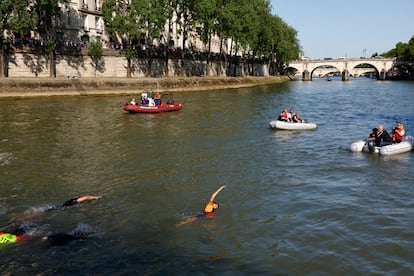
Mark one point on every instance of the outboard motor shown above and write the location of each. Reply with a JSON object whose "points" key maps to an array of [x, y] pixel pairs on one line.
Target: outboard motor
{"points": [[371, 145]]}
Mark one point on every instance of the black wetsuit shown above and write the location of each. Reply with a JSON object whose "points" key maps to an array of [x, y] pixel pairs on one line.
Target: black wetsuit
{"points": [[71, 202], [60, 239]]}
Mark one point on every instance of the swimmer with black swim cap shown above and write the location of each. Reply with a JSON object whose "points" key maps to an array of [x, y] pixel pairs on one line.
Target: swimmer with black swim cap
{"points": [[79, 199], [59, 239]]}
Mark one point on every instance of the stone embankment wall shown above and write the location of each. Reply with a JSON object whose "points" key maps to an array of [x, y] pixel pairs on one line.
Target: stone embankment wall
{"points": [[29, 87], [23, 64]]}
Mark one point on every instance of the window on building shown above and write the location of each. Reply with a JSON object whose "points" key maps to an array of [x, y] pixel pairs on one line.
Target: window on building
{"points": [[69, 19], [84, 22], [98, 24]]}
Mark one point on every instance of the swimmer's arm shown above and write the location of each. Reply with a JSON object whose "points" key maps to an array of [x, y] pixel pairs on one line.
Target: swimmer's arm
{"points": [[86, 198], [189, 220], [213, 196]]}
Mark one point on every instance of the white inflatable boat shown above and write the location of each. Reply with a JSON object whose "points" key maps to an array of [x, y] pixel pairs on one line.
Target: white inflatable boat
{"points": [[405, 146], [291, 126]]}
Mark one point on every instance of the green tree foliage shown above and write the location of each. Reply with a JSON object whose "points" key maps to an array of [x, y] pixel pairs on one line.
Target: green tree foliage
{"points": [[247, 25], [402, 51], [15, 17], [47, 12], [95, 51], [129, 22]]}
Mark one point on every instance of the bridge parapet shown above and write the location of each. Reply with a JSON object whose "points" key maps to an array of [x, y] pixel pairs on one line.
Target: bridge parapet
{"points": [[307, 67]]}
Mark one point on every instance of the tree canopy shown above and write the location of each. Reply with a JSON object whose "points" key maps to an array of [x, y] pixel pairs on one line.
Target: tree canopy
{"points": [[402, 51], [249, 24]]}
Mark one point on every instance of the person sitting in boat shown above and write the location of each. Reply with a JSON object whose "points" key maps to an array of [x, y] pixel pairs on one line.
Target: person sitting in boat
{"points": [[398, 133], [284, 116], [144, 100], [151, 101], [133, 102], [208, 209], [383, 138], [157, 98], [371, 139], [373, 135], [295, 117]]}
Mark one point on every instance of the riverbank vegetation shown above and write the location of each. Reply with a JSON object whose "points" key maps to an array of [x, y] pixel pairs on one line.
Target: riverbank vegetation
{"points": [[404, 53], [246, 29]]}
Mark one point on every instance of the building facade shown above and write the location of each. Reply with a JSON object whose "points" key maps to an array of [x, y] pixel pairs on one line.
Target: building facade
{"points": [[82, 21]]}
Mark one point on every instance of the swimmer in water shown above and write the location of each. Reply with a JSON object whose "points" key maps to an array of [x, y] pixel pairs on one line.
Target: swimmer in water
{"points": [[59, 239], [208, 210], [13, 237], [35, 211], [82, 231], [79, 199]]}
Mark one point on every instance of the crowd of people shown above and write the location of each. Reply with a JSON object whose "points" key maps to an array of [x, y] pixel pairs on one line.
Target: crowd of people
{"points": [[380, 137], [289, 116]]}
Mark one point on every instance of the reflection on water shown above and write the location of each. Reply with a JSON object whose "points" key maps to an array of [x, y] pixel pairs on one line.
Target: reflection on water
{"points": [[295, 203]]}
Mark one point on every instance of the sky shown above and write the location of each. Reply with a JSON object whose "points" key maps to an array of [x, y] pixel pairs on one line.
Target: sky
{"points": [[350, 28]]}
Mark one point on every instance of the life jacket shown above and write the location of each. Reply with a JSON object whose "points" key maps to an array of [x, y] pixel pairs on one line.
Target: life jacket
{"points": [[283, 116], [397, 137]]}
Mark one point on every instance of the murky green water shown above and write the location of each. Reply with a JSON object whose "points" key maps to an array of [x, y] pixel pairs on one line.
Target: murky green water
{"points": [[296, 202]]}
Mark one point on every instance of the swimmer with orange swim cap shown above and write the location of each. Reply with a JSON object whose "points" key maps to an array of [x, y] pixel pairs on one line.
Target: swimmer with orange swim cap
{"points": [[212, 205], [208, 210]]}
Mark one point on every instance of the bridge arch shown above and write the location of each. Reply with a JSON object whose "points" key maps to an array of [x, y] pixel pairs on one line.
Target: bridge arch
{"points": [[345, 66]]}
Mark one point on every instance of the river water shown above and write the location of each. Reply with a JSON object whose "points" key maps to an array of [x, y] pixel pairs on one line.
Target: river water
{"points": [[295, 203]]}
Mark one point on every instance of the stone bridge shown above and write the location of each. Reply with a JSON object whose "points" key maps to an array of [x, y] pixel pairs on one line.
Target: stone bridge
{"points": [[346, 66]]}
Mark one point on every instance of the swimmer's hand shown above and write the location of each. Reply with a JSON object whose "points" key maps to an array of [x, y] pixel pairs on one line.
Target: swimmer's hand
{"points": [[213, 196]]}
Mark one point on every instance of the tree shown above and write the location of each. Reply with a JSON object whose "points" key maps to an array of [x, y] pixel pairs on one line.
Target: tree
{"points": [[15, 18], [285, 46], [184, 10], [155, 16], [48, 12], [95, 52], [402, 51], [128, 22], [120, 20], [205, 13]]}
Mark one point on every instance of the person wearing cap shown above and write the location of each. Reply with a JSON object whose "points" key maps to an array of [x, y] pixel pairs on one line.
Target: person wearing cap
{"points": [[212, 205], [208, 209], [373, 134], [79, 199], [398, 133], [371, 140]]}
